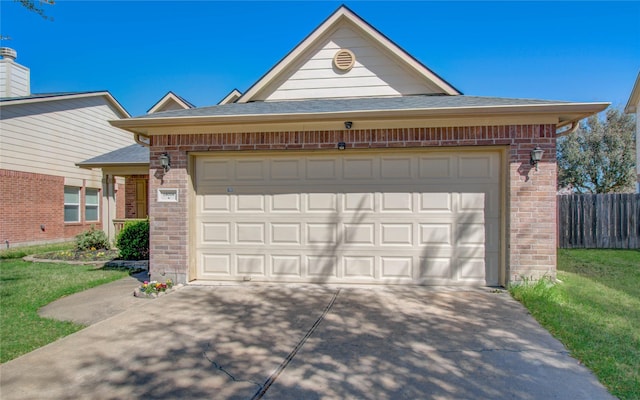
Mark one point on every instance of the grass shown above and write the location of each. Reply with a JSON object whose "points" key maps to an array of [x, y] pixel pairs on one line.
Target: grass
{"points": [[19, 252], [25, 287], [595, 311]]}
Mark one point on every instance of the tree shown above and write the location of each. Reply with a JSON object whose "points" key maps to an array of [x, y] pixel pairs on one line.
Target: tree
{"points": [[36, 6], [600, 156]]}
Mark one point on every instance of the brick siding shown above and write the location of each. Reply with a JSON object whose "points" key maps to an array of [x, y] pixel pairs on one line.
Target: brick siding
{"points": [[29, 201], [530, 232]]}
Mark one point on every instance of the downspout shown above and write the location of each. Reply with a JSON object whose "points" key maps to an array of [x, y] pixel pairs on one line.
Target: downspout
{"points": [[572, 129], [141, 142]]}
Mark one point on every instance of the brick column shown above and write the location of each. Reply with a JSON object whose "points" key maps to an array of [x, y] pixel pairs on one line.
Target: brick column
{"points": [[532, 205], [168, 221]]}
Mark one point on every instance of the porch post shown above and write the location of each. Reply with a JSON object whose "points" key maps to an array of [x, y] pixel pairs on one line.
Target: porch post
{"points": [[109, 205]]}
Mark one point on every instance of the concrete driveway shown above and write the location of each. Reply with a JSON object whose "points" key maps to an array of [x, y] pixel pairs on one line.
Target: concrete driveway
{"points": [[307, 342]]}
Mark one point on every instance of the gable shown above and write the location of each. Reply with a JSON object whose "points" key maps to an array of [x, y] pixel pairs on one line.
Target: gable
{"points": [[170, 102], [381, 68]]}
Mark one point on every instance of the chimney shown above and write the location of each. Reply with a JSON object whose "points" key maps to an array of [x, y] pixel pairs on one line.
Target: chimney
{"points": [[14, 78]]}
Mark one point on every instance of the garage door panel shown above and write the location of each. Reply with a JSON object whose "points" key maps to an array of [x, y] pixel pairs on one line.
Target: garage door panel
{"points": [[287, 169], [435, 268], [436, 202], [216, 203], [471, 268], [286, 265], [285, 234], [436, 234], [359, 234], [216, 233], [396, 267], [362, 267], [393, 234], [436, 167], [322, 169], [358, 202], [396, 202], [250, 170], [322, 266], [218, 265], [358, 169], [250, 233], [406, 218], [288, 202], [397, 167]]}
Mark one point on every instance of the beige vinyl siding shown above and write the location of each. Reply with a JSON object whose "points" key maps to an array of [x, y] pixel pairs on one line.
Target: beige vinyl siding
{"points": [[49, 137], [375, 73], [14, 81]]}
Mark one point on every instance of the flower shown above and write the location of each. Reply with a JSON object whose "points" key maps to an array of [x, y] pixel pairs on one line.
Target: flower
{"points": [[152, 287]]}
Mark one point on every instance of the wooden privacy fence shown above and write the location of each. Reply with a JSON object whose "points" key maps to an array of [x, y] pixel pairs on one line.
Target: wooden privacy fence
{"points": [[599, 221]]}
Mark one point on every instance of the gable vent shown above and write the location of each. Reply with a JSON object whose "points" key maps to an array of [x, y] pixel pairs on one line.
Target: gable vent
{"points": [[344, 59]]}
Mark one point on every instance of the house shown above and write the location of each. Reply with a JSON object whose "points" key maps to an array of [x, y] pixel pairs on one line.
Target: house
{"points": [[633, 107], [350, 161], [44, 196], [131, 164]]}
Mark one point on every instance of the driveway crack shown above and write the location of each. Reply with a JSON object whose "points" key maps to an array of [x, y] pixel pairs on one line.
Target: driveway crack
{"points": [[272, 378], [223, 370]]}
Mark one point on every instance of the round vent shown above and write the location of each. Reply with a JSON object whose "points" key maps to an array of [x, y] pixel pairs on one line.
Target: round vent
{"points": [[344, 60]]}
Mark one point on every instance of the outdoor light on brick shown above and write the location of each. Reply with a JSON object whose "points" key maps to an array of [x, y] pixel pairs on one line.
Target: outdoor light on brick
{"points": [[165, 162], [536, 156]]}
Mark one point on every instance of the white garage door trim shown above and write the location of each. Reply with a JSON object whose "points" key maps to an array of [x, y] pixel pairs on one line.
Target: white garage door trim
{"points": [[372, 217]]}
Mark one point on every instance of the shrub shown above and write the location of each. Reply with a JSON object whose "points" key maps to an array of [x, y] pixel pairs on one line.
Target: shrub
{"points": [[92, 239], [133, 240]]}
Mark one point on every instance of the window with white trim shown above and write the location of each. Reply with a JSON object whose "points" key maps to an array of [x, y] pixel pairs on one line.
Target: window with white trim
{"points": [[91, 204], [71, 204]]}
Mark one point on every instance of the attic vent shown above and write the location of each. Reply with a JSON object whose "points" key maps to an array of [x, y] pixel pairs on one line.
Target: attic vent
{"points": [[344, 59]]}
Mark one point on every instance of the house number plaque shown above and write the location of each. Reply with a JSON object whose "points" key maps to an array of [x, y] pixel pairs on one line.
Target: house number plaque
{"points": [[168, 195]]}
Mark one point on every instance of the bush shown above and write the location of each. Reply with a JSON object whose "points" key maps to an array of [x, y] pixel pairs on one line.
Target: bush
{"points": [[92, 239], [133, 240]]}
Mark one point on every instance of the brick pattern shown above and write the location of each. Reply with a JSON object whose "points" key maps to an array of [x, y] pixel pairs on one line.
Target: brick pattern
{"points": [[531, 197], [29, 200], [121, 200]]}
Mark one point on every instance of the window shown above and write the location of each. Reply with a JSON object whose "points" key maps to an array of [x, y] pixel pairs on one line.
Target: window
{"points": [[71, 204], [91, 205]]}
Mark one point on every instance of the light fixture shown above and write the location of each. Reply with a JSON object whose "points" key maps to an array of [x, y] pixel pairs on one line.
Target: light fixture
{"points": [[536, 156], [348, 124], [342, 146], [165, 162]]}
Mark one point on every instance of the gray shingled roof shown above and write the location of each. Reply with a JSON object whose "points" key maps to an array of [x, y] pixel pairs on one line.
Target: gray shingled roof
{"points": [[425, 102], [134, 154]]}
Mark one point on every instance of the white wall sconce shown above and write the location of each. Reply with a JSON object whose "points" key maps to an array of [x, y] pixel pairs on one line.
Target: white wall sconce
{"points": [[348, 124], [165, 162], [536, 156]]}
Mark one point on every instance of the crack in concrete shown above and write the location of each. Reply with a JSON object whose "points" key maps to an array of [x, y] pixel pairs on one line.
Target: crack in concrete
{"points": [[223, 370], [272, 378]]}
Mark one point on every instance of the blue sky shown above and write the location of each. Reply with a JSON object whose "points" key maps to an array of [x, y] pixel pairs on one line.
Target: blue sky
{"points": [[576, 51]]}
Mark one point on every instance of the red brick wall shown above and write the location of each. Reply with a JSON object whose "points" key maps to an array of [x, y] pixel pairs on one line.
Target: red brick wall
{"points": [[28, 201], [121, 200], [531, 241]]}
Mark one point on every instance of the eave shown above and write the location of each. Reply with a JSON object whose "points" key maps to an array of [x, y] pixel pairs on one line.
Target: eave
{"points": [[560, 114]]}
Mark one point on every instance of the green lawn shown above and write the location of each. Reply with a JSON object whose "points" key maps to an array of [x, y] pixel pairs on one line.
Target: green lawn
{"points": [[595, 312], [25, 287]]}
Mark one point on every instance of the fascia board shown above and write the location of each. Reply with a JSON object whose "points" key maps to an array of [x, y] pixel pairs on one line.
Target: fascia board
{"points": [[634, 98], [564, 113]]}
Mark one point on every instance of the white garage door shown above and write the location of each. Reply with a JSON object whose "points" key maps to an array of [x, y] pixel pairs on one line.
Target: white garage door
{"points": [[350, 217]]}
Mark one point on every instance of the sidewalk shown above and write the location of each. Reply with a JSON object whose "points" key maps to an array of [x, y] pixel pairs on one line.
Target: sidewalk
{"points": [[96, 304]]}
